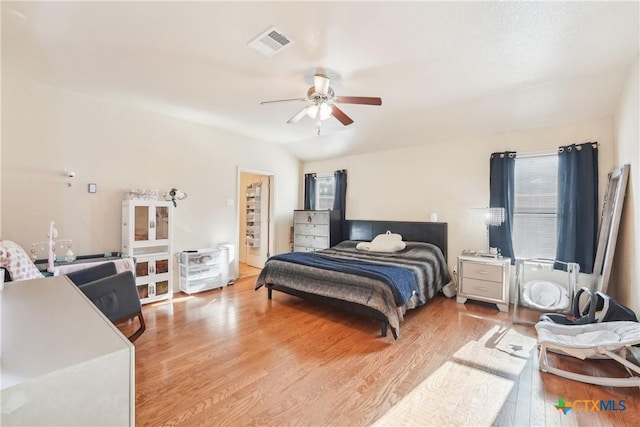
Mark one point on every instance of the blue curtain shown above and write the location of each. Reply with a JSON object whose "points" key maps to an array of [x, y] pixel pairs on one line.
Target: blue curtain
{"points": [[310, 191], [578, 204], [340, 198], [340, 195], [501, 195]]}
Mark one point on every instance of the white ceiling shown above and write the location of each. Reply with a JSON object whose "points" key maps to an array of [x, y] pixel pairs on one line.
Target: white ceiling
{"points": [[443, 69]]}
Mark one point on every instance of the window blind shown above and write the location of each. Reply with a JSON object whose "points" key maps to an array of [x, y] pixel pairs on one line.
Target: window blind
{"points": [[535, 207], [325, 191]]}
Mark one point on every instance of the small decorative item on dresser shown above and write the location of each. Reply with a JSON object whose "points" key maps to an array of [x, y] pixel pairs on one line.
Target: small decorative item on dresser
{"points": [[141, 194]]}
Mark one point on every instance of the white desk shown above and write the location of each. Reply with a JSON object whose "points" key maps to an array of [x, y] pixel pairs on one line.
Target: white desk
{"points": [[63, 362]]}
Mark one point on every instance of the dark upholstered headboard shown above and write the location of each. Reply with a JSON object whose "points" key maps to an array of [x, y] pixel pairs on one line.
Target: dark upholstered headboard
{"points": [[430, 232]]}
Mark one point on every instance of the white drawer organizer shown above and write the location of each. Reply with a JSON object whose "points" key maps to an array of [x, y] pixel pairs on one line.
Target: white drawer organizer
{"points": [[315, 230], [201, 270], [484, 279]]}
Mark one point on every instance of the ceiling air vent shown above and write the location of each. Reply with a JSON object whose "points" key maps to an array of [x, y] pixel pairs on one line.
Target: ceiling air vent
{"points": [[270, 42]]}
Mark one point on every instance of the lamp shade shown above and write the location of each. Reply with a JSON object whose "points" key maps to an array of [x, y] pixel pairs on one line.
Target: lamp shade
{"points": [[487, 216], [325, 111]]}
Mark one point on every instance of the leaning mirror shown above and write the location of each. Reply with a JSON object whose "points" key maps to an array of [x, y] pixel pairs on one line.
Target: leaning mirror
{"points": [[609, 223]]}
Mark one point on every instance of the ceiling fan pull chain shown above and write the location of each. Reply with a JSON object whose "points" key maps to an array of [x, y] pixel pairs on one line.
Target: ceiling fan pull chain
{"points": [[318, 118]]}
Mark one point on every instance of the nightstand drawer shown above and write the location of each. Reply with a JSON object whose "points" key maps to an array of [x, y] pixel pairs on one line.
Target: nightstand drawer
{"points": [[481, 271], [482, 288]]}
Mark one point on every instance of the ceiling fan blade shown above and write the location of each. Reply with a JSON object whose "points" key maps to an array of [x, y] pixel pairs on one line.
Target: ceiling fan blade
{"points": [[284, 100], [321, 83], [341, 116], [300, 114], [358, 100]]}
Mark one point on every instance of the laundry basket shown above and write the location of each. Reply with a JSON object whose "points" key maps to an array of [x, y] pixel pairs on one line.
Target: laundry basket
{"points": [[544, 286]]}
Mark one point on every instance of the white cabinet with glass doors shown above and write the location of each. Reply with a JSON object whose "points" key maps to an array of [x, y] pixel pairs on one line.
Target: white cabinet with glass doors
{"points": [[147, 237]]}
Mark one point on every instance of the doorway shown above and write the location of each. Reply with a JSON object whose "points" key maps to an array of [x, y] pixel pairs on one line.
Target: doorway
{"points": [[255, 204]]}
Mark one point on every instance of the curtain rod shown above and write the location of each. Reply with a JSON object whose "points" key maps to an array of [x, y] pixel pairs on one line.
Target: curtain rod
{"points": [[536, 154], [550, 152]]}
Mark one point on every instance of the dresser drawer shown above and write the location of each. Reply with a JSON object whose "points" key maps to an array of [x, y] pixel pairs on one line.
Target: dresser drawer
{"points": [[319, 242], [312, 229], [482, 289], [480, 271], [311, 217]]}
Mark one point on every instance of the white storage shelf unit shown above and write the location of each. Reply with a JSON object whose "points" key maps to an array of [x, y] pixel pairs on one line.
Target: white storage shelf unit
{"points": [[147, 237], [200, 270]]}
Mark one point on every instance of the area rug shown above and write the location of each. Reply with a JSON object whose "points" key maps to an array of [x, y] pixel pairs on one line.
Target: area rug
{"points": [[469, 389]]}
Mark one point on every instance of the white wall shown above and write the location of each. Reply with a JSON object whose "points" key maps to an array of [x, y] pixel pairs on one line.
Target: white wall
{"points": [[624, 284], [449, 177], [46, 130]]}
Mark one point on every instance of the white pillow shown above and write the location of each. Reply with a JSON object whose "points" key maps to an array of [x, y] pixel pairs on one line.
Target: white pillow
{"points": [[16, 261], [388, 242]]}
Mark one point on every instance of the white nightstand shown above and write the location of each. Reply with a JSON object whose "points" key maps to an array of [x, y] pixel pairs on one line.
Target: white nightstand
{"points": [[484, 279]]}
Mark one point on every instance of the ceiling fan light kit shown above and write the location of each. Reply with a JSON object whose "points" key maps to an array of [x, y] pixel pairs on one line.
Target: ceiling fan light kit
{"points": [[323, 103], [325, 111]]}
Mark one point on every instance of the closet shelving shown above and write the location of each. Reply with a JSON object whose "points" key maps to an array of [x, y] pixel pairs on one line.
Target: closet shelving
{"points": [[253, 202]]}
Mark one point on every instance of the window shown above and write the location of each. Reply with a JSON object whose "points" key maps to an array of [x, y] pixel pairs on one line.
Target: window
{"points": [[535, 207], [325, 191]]}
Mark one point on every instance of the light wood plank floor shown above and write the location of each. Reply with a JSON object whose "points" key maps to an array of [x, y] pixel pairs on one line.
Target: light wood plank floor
{"points": [[232, 357], [245, 270]]}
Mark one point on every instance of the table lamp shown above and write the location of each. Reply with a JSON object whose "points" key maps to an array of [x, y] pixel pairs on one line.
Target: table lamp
{"points": [[489, 217]]}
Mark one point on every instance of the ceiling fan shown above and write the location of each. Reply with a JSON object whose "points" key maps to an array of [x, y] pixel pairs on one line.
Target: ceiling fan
{"points": [[323, 103]]}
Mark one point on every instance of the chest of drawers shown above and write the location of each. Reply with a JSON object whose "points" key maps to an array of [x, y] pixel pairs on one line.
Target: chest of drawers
{"points": [[315, 230], [484, 279]]}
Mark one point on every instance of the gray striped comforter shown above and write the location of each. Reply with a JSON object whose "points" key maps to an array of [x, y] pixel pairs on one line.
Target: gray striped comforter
{"points": [[425, 261]]}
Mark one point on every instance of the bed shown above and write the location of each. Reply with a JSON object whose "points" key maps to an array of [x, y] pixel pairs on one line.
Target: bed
{"points": [[382, 286]]}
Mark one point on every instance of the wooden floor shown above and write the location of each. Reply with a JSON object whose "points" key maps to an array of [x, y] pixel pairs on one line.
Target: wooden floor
{"points": [[245, 270], [232, 357]]}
